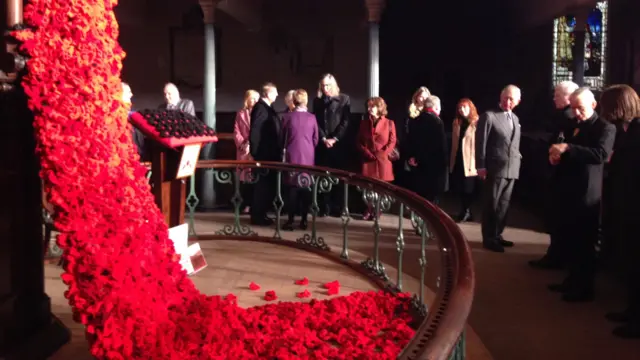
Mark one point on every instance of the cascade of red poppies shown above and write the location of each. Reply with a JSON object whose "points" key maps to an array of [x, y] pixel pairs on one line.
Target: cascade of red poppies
{"points": [[125, 284]]}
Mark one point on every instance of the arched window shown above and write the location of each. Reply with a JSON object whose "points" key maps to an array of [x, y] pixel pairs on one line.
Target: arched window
{"points": [[595, 46]]}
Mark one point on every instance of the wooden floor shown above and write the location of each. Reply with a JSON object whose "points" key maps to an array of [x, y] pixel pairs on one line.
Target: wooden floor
{"points": [[513, 316]]}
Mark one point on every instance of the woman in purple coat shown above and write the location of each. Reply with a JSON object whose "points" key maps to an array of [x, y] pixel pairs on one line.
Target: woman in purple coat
{"points": [[300, 134]]}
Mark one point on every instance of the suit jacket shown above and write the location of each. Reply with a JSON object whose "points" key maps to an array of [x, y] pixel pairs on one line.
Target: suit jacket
{"points": [[580, 171], [375, 144], [498, 145], [264, 137], [333, 116], [184, 105]]}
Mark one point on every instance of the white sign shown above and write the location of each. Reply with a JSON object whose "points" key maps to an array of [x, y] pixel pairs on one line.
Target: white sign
{"points": [[191, 257], [188, 161]]}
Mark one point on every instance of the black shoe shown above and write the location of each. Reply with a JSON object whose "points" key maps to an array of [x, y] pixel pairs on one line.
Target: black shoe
{"points": [[618, 317], [546, 263], [303, 224], [505, 243], [288, 226], [628, 331], [578, 296], [493, 246], [464, 216]]}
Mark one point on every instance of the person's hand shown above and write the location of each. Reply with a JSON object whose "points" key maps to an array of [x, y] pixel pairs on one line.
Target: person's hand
{"points": [[329, 143], [412, 162], [554, 160], [482, 174], [558, 149], [245, 148]]}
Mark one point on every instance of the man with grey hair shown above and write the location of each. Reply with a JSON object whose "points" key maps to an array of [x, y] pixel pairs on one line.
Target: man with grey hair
{"points": [[498, 163], [561, 127], [580, 165], [174, 102]]}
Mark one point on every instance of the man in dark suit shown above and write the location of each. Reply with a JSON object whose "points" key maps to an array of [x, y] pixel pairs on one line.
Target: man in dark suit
{"points": [[580, 163], [498, 163], [266, 145], [174, 102], [561, 127]]}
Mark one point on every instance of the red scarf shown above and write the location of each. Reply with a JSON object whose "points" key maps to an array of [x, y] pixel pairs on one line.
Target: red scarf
{"points": [[432, 110]]}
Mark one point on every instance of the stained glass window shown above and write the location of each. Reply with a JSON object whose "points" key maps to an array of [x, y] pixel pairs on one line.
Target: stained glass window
{"points": [[595, 46]]}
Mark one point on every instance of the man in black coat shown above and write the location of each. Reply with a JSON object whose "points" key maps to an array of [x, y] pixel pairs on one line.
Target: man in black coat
{"points": [[561, 127], [266, 145], [580, 165], [428, 152]]}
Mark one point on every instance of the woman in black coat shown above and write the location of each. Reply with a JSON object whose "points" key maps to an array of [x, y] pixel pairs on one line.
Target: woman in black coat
{"points": [[620, 104]]}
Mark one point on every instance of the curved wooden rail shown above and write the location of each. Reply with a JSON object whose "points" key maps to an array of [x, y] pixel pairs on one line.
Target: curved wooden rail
{"points": [[439, 333]]}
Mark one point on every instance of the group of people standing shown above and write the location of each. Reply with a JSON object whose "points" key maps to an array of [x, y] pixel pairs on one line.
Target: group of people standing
{"points": [[585, 141]]}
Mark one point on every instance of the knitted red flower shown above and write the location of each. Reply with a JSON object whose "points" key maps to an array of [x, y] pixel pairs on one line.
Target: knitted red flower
{"points": [[253, 286], [270, 295], [303, 281]]}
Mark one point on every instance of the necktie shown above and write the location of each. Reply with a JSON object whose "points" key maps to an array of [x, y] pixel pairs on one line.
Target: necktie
{"points": [[510, 120]]}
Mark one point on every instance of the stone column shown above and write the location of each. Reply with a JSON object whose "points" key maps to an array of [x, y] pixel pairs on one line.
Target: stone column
{"points": [[578, 50], [28, 330], [374, 13], [207, 193]]}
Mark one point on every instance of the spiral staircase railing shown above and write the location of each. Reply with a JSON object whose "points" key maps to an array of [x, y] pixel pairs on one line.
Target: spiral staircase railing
{"points": [[440, 325]]}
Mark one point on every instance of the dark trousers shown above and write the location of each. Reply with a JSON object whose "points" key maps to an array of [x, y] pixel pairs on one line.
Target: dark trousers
{"points": [[580, 230], [263, 195], [298, 202], [497, 197], [558, 250]]}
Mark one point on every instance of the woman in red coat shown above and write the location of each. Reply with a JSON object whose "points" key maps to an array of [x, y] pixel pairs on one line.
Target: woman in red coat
{"points": [[376, 140]]}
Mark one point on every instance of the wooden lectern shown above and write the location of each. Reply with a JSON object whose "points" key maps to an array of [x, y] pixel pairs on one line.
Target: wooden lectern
{"points": [[176, 140]]}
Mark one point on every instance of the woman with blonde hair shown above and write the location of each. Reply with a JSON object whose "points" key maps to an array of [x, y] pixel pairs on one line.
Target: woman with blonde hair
{"points": [[415, 109], [462, 163], [241, 130], [333, 111]]}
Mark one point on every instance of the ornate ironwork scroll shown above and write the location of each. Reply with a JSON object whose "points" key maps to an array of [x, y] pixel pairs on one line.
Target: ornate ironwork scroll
{"points": [[278, 204], [346, 218], [380, 202], [375, 268], [192, 201], [236, 228], [321, 184], [400, 245]]}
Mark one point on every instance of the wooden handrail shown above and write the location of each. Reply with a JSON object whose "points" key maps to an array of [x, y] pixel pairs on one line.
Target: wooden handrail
{"points": [[439, 333]]}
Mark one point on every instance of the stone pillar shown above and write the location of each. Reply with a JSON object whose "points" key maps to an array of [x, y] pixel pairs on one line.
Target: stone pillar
{"points": [[207, 193], [28, 330], [374, 13], [578, 50]]}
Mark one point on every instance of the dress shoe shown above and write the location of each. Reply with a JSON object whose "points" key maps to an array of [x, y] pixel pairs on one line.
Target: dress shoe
{"points": [[288, 226], [464, 216], [578, 296], [493, 246], [546, 263], [618, 317], [627, 331], [505, 243], [303, 224]]}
